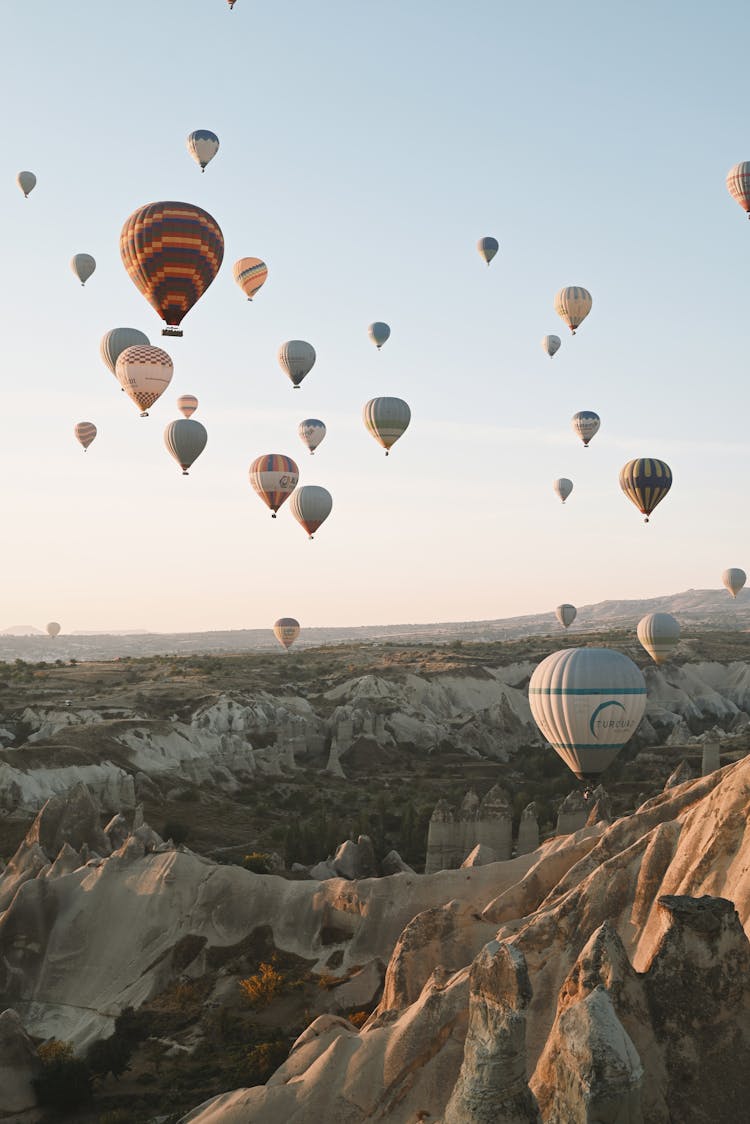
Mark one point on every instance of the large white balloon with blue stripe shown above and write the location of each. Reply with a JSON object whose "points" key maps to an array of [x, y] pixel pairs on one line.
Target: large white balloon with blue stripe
{"points": [[588, 703]]}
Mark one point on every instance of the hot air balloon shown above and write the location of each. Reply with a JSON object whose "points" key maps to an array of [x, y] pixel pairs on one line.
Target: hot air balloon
{"points": [[488, 247], [573, 304], [378, 333], [83, 265], [586, 424], [231, 4], [311, 506], [203, 146], [551, 344], [53, 629], [144, 372], [734, 579], [250, 274], [172, 252], [296, 358], [115, 341], [386, 419], [566, 614], [85, 432], [274, 477], [563, 487], [587, 702], [738, 184], [187, 404], [27, 182], [185, 439], [286, 631], [645, 482], [658, 633], [312, 433]]}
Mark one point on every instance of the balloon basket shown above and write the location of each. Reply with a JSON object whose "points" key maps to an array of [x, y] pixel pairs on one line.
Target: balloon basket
{"points": [[171, 332]]}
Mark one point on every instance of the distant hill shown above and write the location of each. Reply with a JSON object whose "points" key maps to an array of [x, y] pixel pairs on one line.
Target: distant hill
{"points": [[22, 630]]}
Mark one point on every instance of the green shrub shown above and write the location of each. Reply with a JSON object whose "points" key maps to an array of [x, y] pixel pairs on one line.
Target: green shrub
{"points": [[257, 862]]}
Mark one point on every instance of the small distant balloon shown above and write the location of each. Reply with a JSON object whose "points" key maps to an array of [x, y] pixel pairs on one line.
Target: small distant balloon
{"points": [[203, 145], [250, 274], [586, 424], [379, 333], [286, 631], [274, 477], [551, 344], [386, 419], [296, 358], [311, 431], [734, 579], [488, 247], [311, 506], [566, 614], [27, 182], [573, 304], [115, 341], [563, 487], [144, 373], [53, 629], [85, 432], [659, 634], [646, 481], [83, 265], [231, 4], [185, 439], [738, 184], [187, 404]]}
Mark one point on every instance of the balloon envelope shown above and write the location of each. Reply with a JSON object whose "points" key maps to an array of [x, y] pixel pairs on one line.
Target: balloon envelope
{"points": [[573, 304], [296, 358], [586, 424], [311, 506], [115, 341], [250, 274], [286, 631], [551, 344], [172, 252], [85, 432], [203, 145], [587, 702], [26, 181], [488, 247], [187, 404], [274, 477], [185, 439], [563, 487], [566, 614], [378, 333], [738, 184], [659, 634], [734, 579], [312, 431], [144, 372], [83, 265], [646, 481], [386, 419], [53, 628]]}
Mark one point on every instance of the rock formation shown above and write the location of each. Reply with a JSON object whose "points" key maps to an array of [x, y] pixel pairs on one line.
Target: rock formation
{"points": [[19, 1065], [454, 835]]}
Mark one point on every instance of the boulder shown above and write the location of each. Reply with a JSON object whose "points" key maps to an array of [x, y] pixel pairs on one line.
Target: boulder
{"points": [[394, 864], [355, 860], [72, 817]]}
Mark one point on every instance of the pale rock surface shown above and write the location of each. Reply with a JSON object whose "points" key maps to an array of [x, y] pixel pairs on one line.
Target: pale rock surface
{"points": [[359, 990], [528, 830], [679, 775], [355, 860], [480, 856], [394, 864], [572, 813], [19, 1065], [492, 1085]]}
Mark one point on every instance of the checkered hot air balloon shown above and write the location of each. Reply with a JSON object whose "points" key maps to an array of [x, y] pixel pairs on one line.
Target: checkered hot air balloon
{"points": [[738, 184], [144, 373], [274, 477], [172, 252], [646, 481]]}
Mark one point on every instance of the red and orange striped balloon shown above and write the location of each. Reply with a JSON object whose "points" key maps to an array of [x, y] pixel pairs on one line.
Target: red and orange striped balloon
{"points": [[172, 252]]}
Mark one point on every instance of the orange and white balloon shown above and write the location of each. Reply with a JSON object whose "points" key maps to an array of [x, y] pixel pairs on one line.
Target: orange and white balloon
{"points": [[250, 274], [187, 404], [85, 432], [144, 372]]}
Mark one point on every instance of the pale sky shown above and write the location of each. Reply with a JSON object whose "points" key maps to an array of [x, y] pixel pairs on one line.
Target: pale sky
{"points": [[364, 149]]}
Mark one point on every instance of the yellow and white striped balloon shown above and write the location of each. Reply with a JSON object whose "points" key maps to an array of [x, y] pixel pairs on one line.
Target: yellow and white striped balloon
{"points": [[573, 304]]}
